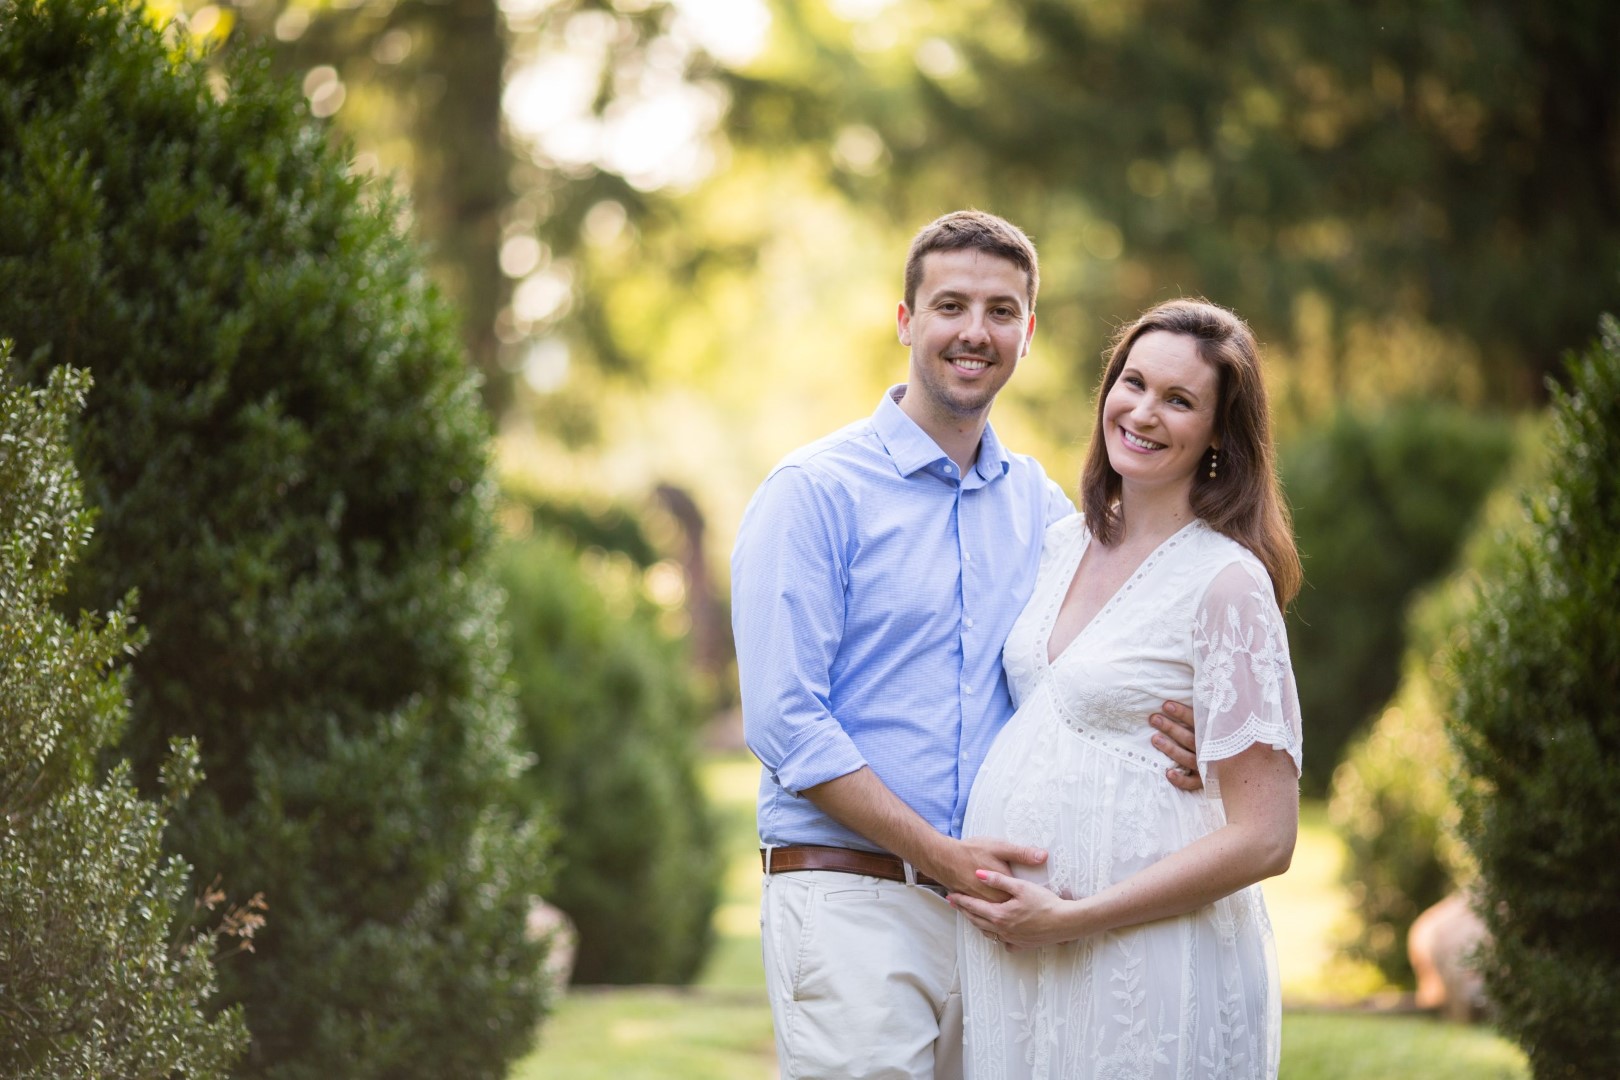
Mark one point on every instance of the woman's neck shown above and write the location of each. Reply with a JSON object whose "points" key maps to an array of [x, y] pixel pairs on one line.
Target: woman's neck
{"points": [[1148, 517]]}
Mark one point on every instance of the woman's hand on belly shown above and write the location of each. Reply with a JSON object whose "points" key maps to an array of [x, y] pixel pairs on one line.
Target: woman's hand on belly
{"points": [[1031, 916]]}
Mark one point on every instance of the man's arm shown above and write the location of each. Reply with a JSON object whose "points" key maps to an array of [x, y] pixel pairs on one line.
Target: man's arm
{"points": [[787, 581], [862, 802]]}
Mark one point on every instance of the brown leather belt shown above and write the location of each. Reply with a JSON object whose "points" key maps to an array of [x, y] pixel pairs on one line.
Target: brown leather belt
{"points": [[845, 860]]}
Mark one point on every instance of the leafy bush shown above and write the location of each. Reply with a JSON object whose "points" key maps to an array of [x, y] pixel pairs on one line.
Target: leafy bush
{"points": [[1537, 728], [610, 714], [289, 461], [90, 984], [1381, 505], [1393, 795], [1391, 802]]}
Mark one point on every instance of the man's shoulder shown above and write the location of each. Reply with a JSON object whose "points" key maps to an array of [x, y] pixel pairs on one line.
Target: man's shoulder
{"points": [[1035, 488], [833, 451], [1028, 470]]}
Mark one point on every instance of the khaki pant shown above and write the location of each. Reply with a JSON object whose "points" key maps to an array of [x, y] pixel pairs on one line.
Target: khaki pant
{"points": [[862, 978]]}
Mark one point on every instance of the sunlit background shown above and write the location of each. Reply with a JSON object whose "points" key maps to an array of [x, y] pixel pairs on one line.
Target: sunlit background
{"points": [[683, 222]]}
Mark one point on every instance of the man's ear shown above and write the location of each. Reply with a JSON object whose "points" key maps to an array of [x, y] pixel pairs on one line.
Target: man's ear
{"points": [[902, 319]]}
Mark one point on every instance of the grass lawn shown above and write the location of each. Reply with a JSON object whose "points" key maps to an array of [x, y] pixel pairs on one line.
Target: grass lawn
{"points": [[720, 1029]]}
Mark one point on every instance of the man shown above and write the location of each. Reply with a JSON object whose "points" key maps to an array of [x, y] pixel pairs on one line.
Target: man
{"points": [[876, 575]]}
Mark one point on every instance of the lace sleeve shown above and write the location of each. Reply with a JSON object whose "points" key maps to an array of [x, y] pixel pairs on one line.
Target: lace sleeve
{"points": [[1243, 684]]}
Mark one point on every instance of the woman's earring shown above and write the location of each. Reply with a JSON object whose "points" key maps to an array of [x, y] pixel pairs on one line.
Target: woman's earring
{"points": [[1214, 460]]}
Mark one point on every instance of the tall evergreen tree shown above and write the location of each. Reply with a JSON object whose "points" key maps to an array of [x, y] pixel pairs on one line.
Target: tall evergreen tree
{"points": [[289, 460], [1537, 725]]}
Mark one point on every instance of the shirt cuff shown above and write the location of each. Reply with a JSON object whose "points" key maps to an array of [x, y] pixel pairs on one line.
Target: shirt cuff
{"points": [[826, 753]]}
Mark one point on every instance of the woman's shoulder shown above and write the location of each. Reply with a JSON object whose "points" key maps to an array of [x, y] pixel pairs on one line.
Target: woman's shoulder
{"points": [[1069, 526], [1065, 531], [1062, 535], [1225, 561]]}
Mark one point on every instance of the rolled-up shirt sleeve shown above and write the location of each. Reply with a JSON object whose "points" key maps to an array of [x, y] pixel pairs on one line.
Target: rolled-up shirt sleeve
{"points": [[789, 586]]}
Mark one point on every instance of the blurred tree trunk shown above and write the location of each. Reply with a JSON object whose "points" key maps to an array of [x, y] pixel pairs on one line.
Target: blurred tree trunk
{"points": [[710, 634], [460, 182], [423, 82]]}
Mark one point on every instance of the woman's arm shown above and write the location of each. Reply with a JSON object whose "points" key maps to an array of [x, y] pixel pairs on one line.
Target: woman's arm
{"points": [[1260, 789]]}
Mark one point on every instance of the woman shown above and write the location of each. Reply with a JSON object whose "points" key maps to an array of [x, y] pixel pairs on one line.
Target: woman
{"points": [[1142, 947]]}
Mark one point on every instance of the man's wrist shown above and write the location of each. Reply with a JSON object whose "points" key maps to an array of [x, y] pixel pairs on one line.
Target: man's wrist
{"points": [[931, 853]]}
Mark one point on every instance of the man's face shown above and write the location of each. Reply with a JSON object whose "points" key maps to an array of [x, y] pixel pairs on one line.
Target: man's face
{"points": [[970, 327]]}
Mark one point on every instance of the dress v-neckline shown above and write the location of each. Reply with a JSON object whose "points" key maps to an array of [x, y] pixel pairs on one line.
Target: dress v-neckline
{"points": [[1055, 605]]}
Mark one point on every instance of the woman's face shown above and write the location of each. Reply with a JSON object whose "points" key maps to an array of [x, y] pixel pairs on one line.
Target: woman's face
{"points": [[1159, 416]]}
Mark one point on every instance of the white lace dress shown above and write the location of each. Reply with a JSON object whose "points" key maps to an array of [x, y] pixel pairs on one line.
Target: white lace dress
{"points": [[1074, 772]]}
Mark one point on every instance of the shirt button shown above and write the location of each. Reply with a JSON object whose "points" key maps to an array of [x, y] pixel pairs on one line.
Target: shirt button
{"points": [[969, 622], [967, 689], [967, 556], [964, 755], [949, 468]]}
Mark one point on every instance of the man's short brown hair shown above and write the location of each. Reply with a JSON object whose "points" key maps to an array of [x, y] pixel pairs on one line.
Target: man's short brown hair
{"points": [[979, 231]]}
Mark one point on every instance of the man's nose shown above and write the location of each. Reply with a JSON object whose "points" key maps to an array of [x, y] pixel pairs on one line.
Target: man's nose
{"points": [[975, 329]]}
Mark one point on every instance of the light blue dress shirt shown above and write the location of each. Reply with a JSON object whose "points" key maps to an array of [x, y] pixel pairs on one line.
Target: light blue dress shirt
{"points": [[872, 589]]}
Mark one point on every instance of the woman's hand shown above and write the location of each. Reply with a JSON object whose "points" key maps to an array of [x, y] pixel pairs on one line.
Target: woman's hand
{"points": [[1030, 917]]}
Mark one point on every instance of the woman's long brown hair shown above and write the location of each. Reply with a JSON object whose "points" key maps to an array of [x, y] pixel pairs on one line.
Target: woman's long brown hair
{"points": [[1244, 500]]}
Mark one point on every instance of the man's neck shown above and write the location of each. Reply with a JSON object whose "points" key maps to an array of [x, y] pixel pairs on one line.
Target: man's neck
{"points": [[958, 436]]}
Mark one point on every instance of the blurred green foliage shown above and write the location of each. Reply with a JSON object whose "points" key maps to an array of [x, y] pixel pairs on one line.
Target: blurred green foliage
{"points": [[1439, 162], [1382, 502], [613, 527], [1392, 803], [1537, 728], [288, 459], [418, 85], [1394, 794], [100, 973], [611, 714]]}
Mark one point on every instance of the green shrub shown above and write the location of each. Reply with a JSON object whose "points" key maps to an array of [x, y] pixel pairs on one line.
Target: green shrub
{"points": [[289, 461], [1537, 727], [1381, 504], [1393, 797], [96, 976], [610, 714], [1391, 802]]}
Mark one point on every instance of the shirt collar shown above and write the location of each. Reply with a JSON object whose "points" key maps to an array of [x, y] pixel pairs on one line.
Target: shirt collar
{"points": [[911, 448], [993, 458]]}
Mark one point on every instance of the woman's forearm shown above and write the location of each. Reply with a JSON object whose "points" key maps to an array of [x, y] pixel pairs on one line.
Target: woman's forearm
{"points": [[1261, 795], [1260, 791]]}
